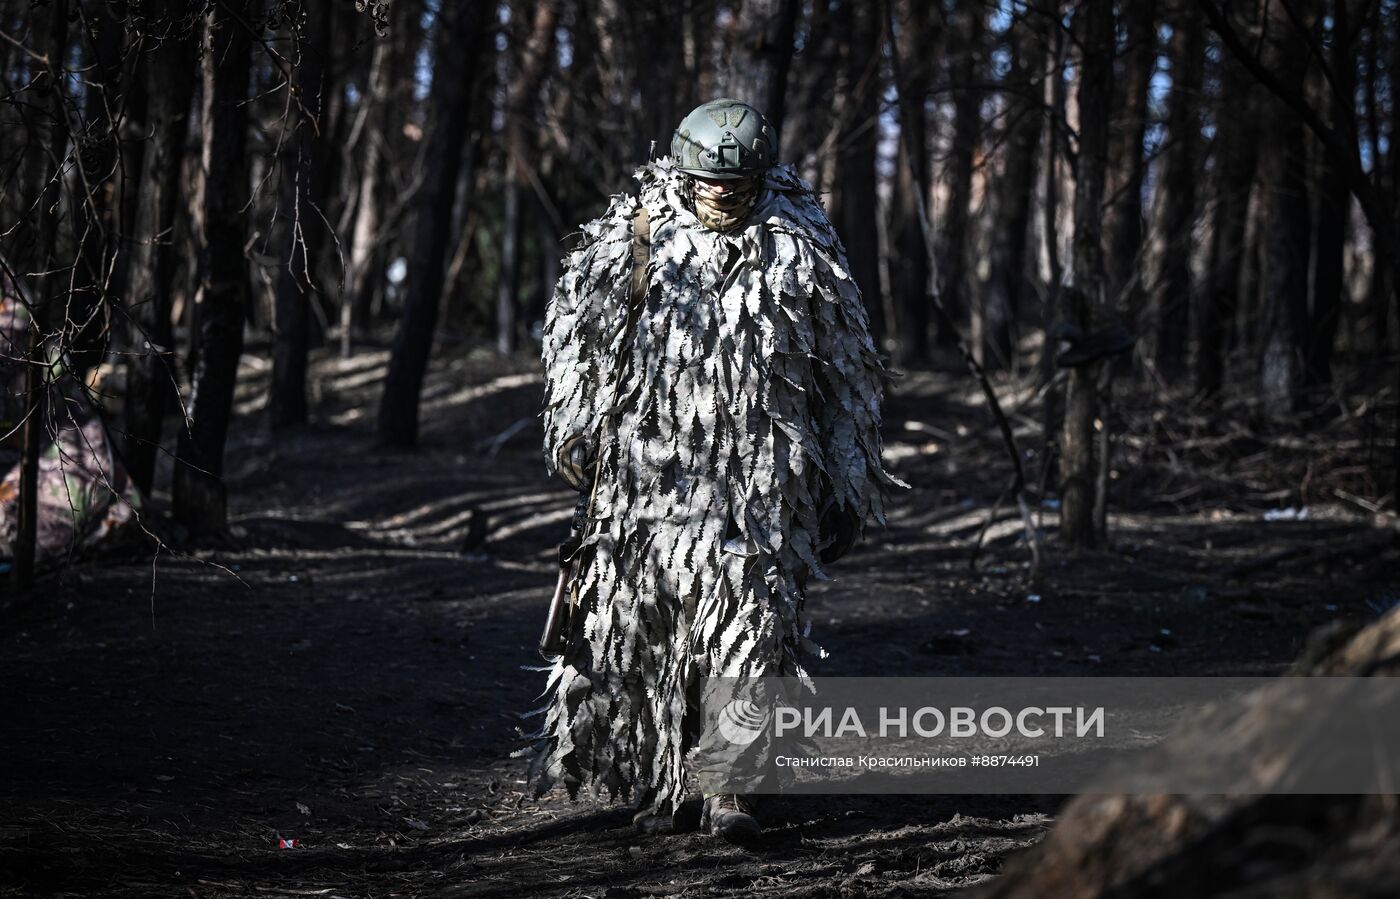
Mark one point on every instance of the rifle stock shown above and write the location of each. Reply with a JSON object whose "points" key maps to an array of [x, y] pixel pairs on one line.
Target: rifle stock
{"points": [[556, 625]]}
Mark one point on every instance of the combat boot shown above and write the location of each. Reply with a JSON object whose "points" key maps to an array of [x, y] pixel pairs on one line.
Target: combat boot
{"points": [[653, 817], [730, 817]]}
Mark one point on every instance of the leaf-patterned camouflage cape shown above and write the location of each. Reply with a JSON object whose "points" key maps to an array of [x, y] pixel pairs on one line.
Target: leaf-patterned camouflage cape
{"points": [[85, 499], [749, 390]]}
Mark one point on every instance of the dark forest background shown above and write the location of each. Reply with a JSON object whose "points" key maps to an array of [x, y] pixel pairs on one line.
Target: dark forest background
{"points": [[272, 279], [1165, 220]]}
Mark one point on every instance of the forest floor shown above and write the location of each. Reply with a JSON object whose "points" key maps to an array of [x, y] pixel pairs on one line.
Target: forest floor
{"points": [[344, 669]]}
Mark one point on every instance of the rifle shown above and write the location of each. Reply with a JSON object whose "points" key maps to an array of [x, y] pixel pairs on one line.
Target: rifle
{"points": [[563, 619], [558, 626]]}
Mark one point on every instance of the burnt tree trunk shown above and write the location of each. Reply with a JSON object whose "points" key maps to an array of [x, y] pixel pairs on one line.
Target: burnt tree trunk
{"points": [[910, 268], [200, 495], [855, 166], [1094, 22], [1123, 218], [380, 204], [45, 292], [305, 180], [1282, 72], [1052, 410], [150, 369], [524, 82], [1237, 147], [1333, 206], [955, 233], [101, 274], [367, 221], [458, 48], [1378, 290], [1179, 194], [807, 118], [1056, 101], [1389, 301], [1015, 191], [763, 56], [1286, 235]]}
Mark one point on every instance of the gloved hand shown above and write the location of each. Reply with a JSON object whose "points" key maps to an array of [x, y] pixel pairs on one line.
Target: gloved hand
{"points": [[575, 463], [838, 531]]}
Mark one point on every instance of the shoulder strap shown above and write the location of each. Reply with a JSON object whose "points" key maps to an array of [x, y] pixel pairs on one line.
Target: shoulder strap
{"points": [[641, 254]]}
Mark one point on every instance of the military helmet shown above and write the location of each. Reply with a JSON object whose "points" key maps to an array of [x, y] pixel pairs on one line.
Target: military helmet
{"points": [[724, 139]]}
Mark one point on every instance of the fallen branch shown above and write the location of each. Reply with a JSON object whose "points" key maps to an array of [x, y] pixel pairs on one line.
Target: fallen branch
{"points": [[1312, 554]]}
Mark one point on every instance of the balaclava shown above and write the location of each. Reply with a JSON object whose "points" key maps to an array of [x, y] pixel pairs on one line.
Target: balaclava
{"points": [[724, 211]]}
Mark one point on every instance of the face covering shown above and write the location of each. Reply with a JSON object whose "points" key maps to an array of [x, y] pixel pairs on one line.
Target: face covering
{"points": [[725, 211]]}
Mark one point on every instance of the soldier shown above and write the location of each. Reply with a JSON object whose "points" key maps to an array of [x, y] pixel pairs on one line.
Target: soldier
{"points": [[713, 388]]}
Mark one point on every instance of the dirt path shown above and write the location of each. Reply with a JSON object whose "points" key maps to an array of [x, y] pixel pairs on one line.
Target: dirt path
{"points": [[346, 669]]}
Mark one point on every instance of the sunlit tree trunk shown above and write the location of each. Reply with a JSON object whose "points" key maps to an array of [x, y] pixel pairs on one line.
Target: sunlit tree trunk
{"points": [[365, 230]]}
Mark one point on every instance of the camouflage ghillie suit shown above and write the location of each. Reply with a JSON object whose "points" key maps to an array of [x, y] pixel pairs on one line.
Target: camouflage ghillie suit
{"points": [[85, 499], [747, 399]]}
